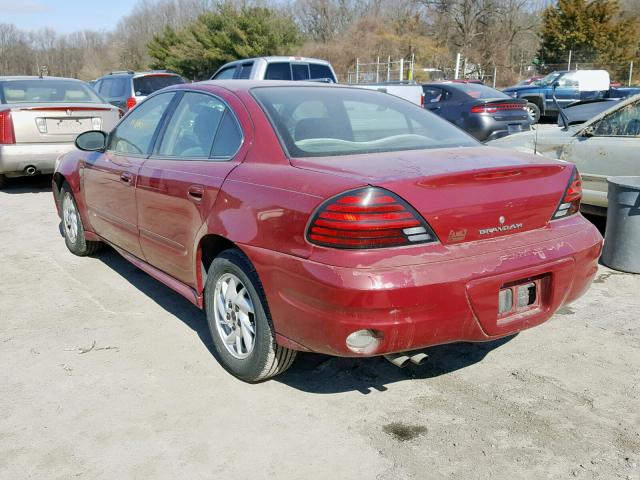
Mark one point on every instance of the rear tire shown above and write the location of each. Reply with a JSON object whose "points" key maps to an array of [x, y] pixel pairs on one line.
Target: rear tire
{"points": [[72, 227], [240, 322], [534, 112]]}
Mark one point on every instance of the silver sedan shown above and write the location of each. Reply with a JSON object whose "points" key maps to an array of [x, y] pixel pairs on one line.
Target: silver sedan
{"points": [[40, 118]]}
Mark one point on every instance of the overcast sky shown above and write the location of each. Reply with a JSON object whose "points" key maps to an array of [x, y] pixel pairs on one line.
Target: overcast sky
{"points": [[64, 15]]}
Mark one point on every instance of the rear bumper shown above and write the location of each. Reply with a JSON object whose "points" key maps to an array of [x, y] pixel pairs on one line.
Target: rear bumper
{"points": [[14, 159], [485, 127], [316, 306]]}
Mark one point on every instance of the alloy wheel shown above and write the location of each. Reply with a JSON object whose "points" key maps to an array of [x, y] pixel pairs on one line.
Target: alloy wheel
{"points": [[235, 316], [70, 217]]}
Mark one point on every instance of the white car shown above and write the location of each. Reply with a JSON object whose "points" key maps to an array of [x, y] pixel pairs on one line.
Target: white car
{"points": [[605, 146]]}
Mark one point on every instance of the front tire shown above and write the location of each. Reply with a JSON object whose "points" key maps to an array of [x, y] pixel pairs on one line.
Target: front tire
{"points": [[240, 322], [72, 227]]}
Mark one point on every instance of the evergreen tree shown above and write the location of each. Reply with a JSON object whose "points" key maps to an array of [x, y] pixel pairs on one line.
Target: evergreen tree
{"points": [[593, 30], [229, 33]]}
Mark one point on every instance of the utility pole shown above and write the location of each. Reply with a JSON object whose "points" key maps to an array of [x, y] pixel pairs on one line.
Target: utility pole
{"points": [[357, 70], [377, 69], [457, 74], [401, 69], [630, 72], [569, 66], [388, 68]]}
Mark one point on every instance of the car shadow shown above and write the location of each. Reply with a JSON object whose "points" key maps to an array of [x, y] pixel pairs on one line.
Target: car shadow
{"points": [[323, 374], [35, 184], [312, 373]]}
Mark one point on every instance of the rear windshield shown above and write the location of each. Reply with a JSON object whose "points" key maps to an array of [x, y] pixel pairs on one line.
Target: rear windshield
{"points": [[143, 86], [298, 71], [47, 91], [478, 91], [323, 121]]}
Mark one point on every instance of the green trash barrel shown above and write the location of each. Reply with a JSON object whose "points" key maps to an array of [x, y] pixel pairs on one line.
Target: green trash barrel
{"points": [[622, 237]]}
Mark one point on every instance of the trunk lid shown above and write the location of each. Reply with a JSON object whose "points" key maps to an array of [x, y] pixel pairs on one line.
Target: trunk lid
{"points": [[465, 194], [60, 123]]}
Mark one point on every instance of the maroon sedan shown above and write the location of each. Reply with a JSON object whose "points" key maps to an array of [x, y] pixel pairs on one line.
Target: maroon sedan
{"points": [[308, 217]]}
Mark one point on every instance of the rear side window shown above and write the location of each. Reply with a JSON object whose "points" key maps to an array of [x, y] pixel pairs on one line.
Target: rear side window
{"points": [[318, 72], [478, 91], [143, 86], [245, 71], [225, 74], [228, 138], [300, 71], [119, 87], [278, 71], [434, 95]]}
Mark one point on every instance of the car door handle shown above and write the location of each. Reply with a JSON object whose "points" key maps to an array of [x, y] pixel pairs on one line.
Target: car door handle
{"points": [[126, 177], [196, 192], [434, 108]]}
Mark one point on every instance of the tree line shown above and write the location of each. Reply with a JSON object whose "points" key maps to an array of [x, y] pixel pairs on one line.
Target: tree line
{"points": [[195, 37]]}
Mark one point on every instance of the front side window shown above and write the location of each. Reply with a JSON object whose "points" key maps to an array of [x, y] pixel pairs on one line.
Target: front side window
{"points": [[278, 71], [47, 91], [624, 122], [134, 134], [196, 122], [343, 121]]}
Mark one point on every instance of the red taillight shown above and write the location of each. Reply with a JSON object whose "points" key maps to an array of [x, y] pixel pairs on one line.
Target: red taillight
{"points": [[422, 100], [7, 135], [496, 107], [369, 217], [131, 102], [570, 203]]}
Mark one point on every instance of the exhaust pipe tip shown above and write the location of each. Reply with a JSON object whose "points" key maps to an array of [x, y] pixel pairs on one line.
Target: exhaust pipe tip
{"points": [[31, 170], [398, 359], [418, 358]]}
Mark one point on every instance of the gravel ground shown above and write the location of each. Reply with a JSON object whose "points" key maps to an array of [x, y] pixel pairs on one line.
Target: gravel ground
{"points": [[107, 374]]}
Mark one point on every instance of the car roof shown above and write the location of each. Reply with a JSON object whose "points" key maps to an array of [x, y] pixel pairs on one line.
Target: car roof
{"points": [[35, 77], [247, 85], [131, 73], [280, 58]]}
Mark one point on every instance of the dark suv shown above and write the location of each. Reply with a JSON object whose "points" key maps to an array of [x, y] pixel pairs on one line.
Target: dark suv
{"points": [[125, 89]]}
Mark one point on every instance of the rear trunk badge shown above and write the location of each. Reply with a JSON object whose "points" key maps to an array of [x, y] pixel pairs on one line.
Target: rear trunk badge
{"points": [[501, 228]]}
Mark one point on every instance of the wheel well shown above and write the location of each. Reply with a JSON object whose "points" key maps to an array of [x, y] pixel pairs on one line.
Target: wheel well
{"points": [[536, 101], [58, 179], [210, 247]]}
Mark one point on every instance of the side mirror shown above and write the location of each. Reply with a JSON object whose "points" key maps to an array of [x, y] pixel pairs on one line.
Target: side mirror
{"points": [[92, 141]]}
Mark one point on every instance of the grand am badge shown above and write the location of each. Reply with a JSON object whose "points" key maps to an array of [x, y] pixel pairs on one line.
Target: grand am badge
{"points": [[501, 228]]}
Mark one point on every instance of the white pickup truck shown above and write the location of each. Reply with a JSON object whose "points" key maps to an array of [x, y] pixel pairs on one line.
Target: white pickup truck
{"points": [[408, 91]]}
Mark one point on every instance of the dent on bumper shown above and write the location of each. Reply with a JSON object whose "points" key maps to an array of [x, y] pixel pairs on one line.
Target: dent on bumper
{"points": [[14, 159], [316, 306]]}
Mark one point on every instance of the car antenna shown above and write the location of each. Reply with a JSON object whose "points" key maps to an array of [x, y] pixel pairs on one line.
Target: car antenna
{"points": [[565, 120]]}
